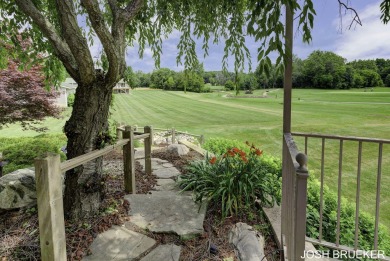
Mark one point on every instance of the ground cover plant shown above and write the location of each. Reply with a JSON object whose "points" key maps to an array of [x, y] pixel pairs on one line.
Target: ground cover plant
{"points": [[355, 112], [20, 153]]}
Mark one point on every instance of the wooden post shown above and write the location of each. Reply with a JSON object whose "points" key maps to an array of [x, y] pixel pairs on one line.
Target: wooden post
{"points": [[118, 132], [129, 160], [50, 208], [148, 150], [173, 135]]}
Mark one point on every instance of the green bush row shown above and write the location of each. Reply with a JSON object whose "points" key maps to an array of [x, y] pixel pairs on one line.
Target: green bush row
{"points": [[220, 145], [347, 220], [21, 152], [329, 223]]}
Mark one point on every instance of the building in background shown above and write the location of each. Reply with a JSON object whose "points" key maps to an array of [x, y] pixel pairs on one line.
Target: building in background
{"points": [[69, 87]]}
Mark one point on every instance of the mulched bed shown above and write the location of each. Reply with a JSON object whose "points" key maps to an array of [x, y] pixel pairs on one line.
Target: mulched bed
{"points": [[19, 232]]}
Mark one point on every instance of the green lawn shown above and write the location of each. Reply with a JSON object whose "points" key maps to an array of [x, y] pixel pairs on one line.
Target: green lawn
{"points": [[259, 120]]}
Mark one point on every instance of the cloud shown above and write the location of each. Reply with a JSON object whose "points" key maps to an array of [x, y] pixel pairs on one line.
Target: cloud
{"points": [[369, 41]]}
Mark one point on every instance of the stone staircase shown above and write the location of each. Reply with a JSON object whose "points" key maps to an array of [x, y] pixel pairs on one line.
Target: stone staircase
{"points": [[165, 210]]}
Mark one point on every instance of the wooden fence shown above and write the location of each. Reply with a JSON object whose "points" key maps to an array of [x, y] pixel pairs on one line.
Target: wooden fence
{"points": [[172, 131], [49, 184]]}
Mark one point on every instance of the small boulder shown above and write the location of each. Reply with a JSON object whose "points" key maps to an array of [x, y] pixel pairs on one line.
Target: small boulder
{"points": [[248, 243], [178, 149], [17, 189]]}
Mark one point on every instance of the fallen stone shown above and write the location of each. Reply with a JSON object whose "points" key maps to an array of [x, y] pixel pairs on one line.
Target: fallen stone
{"points": [[119, 243], [165, 185], [164, 252], [17, 189], [178, 149], [167, 212], [166, 173], [249, 243]]}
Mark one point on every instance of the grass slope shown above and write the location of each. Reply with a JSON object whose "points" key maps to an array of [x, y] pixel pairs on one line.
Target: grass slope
{"points": [[259, 120]]}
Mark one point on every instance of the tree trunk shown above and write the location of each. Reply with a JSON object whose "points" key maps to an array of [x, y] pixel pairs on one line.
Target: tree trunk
{"points": [[85, 129]]}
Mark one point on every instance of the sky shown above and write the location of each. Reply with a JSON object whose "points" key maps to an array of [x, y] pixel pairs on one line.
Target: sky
{"points": [[330, 33]]}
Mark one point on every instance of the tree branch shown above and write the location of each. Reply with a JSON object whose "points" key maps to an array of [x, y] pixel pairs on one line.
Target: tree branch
{"points": [[356, 18], [132, 9], [107, 40], [75, 39], [61, 48]]}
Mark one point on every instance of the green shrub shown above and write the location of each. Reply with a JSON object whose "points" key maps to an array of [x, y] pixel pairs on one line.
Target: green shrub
{"points": [[347, 220], [21, 152], [70, 100], [220, 145], [235, 180]]}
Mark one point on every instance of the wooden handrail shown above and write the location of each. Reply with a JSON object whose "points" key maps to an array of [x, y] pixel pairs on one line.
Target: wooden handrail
{"points": [[80, 160]]}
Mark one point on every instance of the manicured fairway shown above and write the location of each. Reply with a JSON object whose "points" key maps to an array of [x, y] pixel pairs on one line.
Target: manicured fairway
{"points": [[259, 120], [353, 113]]}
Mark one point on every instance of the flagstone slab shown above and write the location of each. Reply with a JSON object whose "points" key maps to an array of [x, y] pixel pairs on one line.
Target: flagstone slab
{"points": [[164, 253], [165, 185], [119, 243], [166, 173], [167, 212]]}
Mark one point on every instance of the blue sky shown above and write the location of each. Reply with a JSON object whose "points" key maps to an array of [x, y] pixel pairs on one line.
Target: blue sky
{"points": [[370, 41]]}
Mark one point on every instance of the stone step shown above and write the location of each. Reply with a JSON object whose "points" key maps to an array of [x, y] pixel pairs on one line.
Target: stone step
{"points": [[167, 212], [166, 185], [164, 253], [119, 243]]}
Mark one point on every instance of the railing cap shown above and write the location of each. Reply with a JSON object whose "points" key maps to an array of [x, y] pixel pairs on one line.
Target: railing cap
{"points": [[301, 158]]}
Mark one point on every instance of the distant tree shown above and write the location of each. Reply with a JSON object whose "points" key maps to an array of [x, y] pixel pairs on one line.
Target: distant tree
{"points": [[364, 65], [170, 83], [144, 79], [387, 80], [159, 79], [268, 79], [247, 81], [298, 76], [229, 85], [325, 70], [370, 78], [383, 68], [131, 78]]}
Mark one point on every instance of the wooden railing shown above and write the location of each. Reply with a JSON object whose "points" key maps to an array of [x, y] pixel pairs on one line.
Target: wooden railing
{"points": [[49, 184], [360, 141], [294, 197]]}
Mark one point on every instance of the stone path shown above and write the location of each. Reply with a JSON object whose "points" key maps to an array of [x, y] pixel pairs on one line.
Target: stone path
{"points": [[165, 210]]}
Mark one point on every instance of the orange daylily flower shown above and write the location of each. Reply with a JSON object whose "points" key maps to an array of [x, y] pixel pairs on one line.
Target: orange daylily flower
{"points": [[236, 150], [231, 153], [258, 152], [213, 160], [242, 154], [244, 159]]}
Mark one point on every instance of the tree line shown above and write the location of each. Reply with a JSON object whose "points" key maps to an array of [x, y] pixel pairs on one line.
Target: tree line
{"points": [[321, 69]]}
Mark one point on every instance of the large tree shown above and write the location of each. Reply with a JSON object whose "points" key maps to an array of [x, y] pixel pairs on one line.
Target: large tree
{"points": [[66, 28]]}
